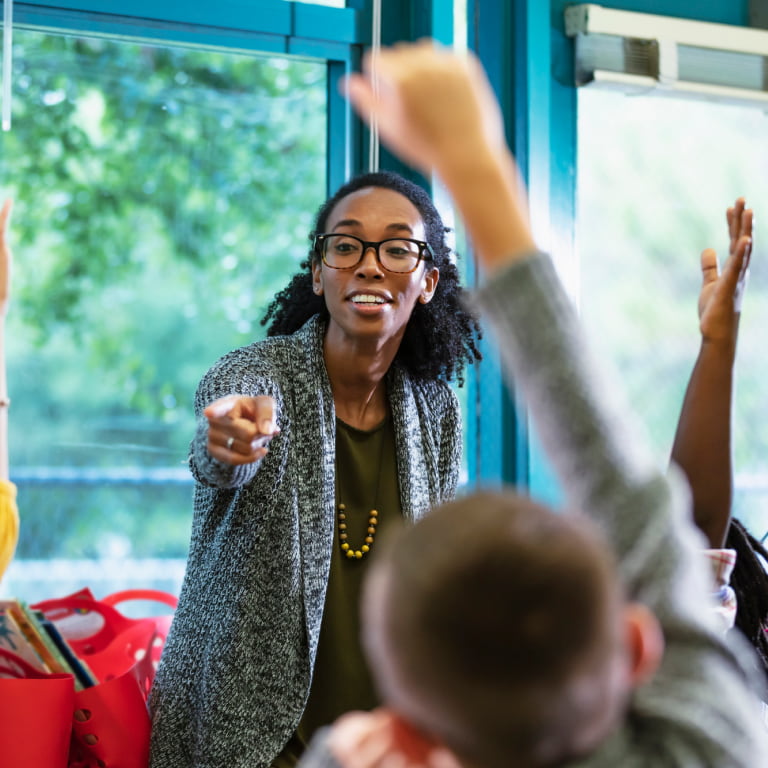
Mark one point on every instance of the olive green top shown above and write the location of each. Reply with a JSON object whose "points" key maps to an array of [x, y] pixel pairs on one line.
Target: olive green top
{"points": [[366, 480]]}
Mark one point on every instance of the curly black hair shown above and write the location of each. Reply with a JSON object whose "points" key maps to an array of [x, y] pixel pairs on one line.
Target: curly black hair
{"points": [[441, 336]]}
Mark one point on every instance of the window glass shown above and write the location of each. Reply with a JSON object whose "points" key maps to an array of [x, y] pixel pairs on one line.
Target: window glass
{"points": [[655, 176], [162, 197]]}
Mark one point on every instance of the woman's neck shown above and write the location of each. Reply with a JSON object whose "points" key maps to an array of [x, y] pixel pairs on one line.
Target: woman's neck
{"points": [[357, 383]]}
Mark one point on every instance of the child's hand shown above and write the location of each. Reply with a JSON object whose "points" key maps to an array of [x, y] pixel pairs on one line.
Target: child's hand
{"points": [[433, 108], [362, 740], [722, 293], [382, 739]]}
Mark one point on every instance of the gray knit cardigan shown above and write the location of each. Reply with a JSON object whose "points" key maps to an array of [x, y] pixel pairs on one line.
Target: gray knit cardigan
{"points": [[237, 665]]}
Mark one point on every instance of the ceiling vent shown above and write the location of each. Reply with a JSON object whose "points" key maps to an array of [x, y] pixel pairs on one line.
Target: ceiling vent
{"points": [[640, 53]]}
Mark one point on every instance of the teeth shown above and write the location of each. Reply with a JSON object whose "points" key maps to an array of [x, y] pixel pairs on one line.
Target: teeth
{"points": [[367, 298]]}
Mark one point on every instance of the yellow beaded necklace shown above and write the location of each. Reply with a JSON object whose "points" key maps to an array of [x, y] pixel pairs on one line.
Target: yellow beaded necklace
{"points": [[365, 548], [358, 553]]}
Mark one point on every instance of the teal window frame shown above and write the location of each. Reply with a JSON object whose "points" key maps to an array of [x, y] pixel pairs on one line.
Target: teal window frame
{"points": [[276, 27], [336, 35], [529, 59]]}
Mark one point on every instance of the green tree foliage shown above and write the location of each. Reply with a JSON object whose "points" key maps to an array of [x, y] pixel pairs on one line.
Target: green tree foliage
{"points": [[163, 195]]}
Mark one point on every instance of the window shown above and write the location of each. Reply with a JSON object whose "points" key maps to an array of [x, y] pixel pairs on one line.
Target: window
{"points": [[655, 177], [163, 195]]}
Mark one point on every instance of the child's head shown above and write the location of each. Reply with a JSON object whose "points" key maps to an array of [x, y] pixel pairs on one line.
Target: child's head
{"points": [[499, 628]]}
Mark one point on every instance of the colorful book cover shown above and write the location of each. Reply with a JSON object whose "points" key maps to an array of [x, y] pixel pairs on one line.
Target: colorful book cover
{"points": [[37, 638], [13, 638], [31, 631]]}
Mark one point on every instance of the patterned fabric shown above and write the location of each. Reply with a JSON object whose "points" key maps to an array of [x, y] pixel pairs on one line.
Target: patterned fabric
{"points": [[236, 667], [722, 562]]}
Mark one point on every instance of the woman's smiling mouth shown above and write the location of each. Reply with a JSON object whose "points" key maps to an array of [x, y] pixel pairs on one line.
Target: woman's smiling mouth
{"points": [[368, 298]]}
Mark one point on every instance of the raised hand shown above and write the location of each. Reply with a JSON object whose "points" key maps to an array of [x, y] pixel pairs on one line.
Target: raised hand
{"points": [[702, 446], [722, 292], [240, 428], [432, 107], [436, 110]]}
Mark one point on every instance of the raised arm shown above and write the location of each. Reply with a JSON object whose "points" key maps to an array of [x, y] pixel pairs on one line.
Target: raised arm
{"points": [[5, 257], [437, 111], [702, 445]]}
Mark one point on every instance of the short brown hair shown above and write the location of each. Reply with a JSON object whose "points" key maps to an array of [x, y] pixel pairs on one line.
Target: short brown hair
{"points": [[492, 625]]}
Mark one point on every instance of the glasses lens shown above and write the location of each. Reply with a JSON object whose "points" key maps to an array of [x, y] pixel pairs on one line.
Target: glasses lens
{"points": [[342, 251], [399, 255]]}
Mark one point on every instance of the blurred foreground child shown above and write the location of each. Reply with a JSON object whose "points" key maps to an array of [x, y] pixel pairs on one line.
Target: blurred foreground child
{"points": [[499, 632]]}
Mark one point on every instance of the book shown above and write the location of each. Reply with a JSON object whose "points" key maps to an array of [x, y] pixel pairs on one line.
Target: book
{"points": [[13, 639], [78, 666], [32, 634], [34, 640]]}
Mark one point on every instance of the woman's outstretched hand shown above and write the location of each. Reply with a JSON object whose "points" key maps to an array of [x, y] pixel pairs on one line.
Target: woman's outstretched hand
{"points": [[240, 428]]}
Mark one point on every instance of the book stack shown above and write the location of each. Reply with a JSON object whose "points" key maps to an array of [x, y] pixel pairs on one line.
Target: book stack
{"points": [[26, 634]]}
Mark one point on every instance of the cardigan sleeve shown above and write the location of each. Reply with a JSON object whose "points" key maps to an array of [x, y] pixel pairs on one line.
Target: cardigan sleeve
{"points": [[698, 709]]}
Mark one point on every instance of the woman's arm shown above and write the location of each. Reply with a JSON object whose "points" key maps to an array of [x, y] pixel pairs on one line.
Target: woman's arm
{"points": [[702, 445]]}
